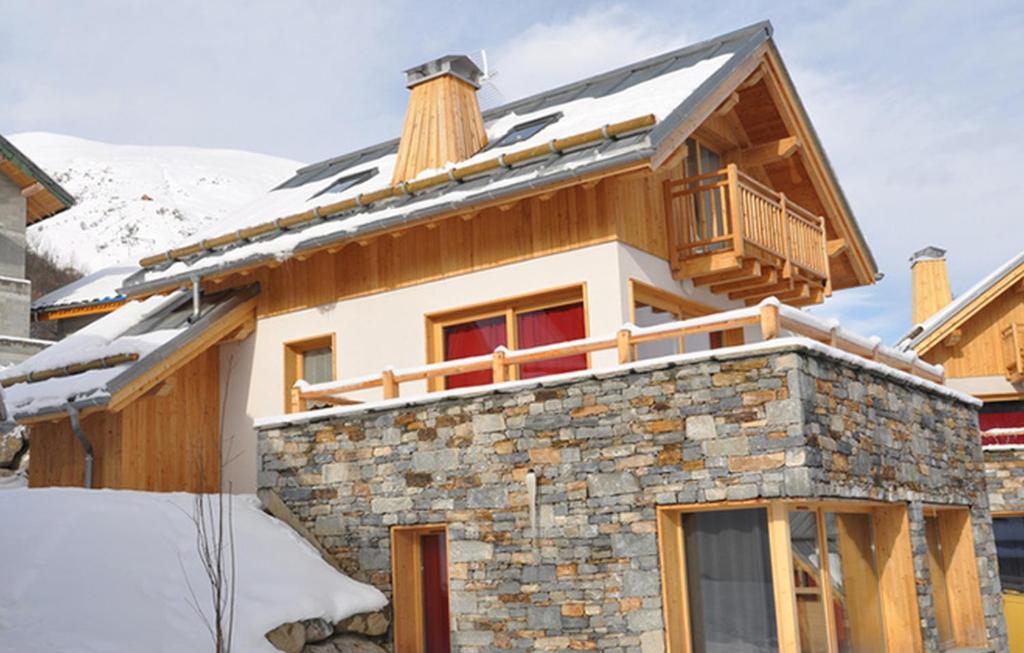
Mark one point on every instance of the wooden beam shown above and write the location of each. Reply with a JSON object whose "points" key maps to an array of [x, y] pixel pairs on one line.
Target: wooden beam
{"points": [[759, 155], [761, 293], [728, 105], [743, 270], [34, 189], [896, 579], [769, 277], [953, 339], [836, 246]]}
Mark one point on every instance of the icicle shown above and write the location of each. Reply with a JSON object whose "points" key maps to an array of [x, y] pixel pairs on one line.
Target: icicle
{"points": [[531, 494]]}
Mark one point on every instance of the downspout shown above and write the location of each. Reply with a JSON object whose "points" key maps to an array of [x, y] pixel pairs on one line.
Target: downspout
{"points": [[76, 426], [195, 299]]}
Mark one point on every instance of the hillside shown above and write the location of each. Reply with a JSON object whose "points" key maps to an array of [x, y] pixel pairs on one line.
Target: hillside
{"points": [[134, 200]]}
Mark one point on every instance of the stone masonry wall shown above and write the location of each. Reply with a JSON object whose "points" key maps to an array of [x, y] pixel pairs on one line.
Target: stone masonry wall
{"points": [[607, 449], [1004, 473]]}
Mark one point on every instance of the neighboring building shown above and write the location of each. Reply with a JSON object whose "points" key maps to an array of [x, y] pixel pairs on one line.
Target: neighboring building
{"points": [[27, 195], [533, 480], [84, 301], [979, 339]]}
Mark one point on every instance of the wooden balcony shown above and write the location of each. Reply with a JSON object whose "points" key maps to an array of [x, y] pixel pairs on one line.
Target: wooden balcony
{"points": [[1013, 351], [731, 232]]}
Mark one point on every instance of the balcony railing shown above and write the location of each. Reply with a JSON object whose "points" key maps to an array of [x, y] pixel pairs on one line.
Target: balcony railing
{"points": [[1013, 351], [772, 319], [730, 212]]}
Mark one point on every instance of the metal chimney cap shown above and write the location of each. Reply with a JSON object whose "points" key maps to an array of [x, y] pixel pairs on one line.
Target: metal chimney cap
{"points": [[458, 65], [930, 253]]}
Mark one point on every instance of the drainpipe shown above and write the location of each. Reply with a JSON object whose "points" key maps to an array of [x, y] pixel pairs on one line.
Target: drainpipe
{"points": [[195, 299], [76, 426]]}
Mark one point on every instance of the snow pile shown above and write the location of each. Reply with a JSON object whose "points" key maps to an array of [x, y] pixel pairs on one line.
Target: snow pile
{"points": [[105, 571], [134, 200], [99, 286]]}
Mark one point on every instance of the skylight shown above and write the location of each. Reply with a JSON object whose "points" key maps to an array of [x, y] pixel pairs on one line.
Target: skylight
{"points": [[344, 183], [526, 130]]}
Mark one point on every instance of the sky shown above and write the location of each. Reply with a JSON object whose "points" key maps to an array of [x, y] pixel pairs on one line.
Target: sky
{"points": [[918, 103]]}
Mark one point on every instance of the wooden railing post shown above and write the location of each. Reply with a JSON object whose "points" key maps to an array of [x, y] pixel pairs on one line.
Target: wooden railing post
{"points": [[735, 209], [296, 401], [389, 384], [787, 267], [825, 267], [499, 366], [769, 321], [624, 345]]}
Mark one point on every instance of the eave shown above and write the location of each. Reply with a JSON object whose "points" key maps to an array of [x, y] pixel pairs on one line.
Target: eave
{"points": [[44, 197]]}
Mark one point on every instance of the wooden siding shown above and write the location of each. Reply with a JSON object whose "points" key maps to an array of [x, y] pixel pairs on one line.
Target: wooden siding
{"points": [[168, 440]]}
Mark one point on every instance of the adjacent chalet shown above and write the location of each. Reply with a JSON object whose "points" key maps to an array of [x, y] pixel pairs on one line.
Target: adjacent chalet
{"points": [[979, 339], [84, 301], [27, 195], [541, 374]]}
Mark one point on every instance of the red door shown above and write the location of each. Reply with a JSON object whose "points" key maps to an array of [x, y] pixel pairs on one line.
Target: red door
{"points": [[436, 623]]}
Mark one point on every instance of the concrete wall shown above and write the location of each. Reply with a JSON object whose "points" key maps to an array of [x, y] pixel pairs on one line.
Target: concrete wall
{"points": [[12, 230], [15, 306], [390, 329], [607, 450]]}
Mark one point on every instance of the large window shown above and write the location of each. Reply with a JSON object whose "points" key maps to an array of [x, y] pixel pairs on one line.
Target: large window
{"points": [[1009, 533], [419, 569], [653, 306], [518, 323], [828, 577], [312, 360]]}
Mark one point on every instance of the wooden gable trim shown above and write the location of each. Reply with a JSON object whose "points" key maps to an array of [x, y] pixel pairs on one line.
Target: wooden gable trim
{"points": [[975, 306]]}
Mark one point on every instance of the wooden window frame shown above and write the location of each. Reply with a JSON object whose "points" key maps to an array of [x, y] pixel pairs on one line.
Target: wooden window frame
{"points": [[960, 567], [293, 351], [894, 561], [406, 585], [508, 308], [681, 307]]}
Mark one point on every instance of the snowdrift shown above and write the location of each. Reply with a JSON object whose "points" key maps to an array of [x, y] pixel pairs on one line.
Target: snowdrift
{"points": [[101, 571]]}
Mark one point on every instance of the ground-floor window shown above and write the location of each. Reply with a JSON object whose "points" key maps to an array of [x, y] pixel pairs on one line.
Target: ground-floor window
{"points": [[1009, 534], [419, 567], [828, 577]]}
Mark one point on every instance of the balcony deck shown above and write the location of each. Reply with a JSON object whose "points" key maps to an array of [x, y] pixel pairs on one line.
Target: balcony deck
{"points": [[731, 232], [1013, 351]]}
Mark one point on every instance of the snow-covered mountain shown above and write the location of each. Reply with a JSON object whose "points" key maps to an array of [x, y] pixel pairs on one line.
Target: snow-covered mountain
{"points": [[137, 200]]}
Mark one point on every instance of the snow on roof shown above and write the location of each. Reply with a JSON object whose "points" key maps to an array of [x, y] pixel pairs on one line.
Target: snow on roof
{"points": [[109, 571], [668, 87], [929, 326], [100, 287]]}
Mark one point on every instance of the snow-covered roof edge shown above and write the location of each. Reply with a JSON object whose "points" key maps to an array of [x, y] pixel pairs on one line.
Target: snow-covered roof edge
{"points": [[777, 345], [948, 313], [99, 287]]}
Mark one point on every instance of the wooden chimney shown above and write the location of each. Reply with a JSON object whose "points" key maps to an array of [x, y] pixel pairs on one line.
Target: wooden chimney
{"points": [[443, 123], [929, 283]]}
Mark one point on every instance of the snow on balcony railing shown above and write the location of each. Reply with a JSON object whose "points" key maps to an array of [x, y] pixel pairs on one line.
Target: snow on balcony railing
{"points": [[770, 317], [1003, 438]]}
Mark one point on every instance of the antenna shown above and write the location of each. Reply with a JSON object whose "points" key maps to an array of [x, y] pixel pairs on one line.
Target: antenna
{"points": [[489, 96]]}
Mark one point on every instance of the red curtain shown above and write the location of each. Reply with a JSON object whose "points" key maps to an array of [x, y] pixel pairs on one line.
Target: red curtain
{"points": [[548, 326], [437, 624], [473, 339]]}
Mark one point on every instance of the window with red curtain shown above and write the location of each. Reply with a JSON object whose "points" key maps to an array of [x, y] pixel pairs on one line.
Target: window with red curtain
{"points": [[473, 339], [436, 622], [548, 326]]}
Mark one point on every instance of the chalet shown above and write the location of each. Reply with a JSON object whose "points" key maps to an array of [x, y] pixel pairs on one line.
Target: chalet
{"points": [[418, 350], [84, 301], [27, 196], [979, 339]]}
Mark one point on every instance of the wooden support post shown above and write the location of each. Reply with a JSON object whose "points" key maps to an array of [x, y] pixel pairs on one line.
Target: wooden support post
{"points": [[735, 209], [624, 345], [770, 321], [782, 577], [389, 384], [295, 406], [787, 267], [499, 366]]}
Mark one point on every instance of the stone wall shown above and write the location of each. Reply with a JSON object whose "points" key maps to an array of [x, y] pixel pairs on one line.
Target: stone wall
{"points": [[607, 449], [1004, 473]]}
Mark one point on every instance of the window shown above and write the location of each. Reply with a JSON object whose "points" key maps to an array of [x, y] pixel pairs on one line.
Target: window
{"points": [[313, 361], [710, 222], [653, 306], [518, 323], [343, 184], [419, 573], [1009, 534], [952, 566], [829, 576], [525, 130]]}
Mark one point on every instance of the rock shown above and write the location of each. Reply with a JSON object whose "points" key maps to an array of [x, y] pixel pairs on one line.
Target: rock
{"points": [[345, 644], [11, 445], [372, 624], [317, 630], [290, 637]]}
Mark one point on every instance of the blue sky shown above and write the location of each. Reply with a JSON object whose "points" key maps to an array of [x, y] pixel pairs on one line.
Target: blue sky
{"points": [[918, 103]]}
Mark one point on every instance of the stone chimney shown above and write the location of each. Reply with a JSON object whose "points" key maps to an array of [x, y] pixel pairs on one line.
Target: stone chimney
{"points": [[443, 123], [929, 283]]}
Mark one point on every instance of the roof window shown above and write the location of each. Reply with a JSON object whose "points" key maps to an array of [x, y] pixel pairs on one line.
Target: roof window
{"points": [[344, 183], [526, 130]]}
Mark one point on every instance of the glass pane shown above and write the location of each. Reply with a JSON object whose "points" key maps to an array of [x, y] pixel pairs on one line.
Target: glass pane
{"points": [[810, 607], [436, 622], [937, 567], [853, 571], [646, 315], [473, 339], [729, 582], [316, 365], [1009, 532], [548, 326]]}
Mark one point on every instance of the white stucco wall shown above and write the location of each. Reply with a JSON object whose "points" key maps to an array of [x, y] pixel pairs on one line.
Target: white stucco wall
{"points": [[389, 328]]}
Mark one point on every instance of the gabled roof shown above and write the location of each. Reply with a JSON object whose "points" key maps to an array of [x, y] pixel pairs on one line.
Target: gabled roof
{"points": [[94, 290], [626, 118], [51, 197], [122, 354], [924, 336]]}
